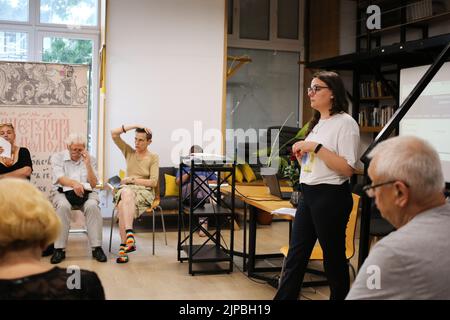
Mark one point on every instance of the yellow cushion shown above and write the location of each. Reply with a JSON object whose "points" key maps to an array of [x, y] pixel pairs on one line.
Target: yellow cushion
{"points": [[171, 185], [239, 175], [247, 171]]}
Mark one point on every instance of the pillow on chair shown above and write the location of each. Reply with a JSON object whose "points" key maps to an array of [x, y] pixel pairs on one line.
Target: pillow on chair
{"points": [[247, 171], [171, 185], [239, 175]]}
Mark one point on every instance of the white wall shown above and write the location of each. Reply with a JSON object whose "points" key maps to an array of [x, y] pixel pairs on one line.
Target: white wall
{"points": [[165, 62]]}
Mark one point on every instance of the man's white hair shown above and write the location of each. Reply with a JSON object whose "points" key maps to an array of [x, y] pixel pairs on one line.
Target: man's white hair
{"points": [[411, 160], [75, 138]]}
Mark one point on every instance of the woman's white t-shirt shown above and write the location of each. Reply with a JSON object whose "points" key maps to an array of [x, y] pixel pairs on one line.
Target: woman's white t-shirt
{"points": [[339, 134]]}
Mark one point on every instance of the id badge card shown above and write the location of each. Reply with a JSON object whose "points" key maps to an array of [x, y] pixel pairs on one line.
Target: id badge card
{"points": [[308, 161]]}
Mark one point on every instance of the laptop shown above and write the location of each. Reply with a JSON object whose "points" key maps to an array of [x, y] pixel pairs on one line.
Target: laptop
{"points": [[272, 182]]}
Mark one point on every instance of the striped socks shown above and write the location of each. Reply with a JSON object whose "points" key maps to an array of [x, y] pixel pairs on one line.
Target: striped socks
{"points": [[123, 257], [130, 242]]}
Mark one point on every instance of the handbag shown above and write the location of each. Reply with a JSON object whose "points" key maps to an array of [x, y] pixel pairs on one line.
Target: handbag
{"points": [[73, 199]]}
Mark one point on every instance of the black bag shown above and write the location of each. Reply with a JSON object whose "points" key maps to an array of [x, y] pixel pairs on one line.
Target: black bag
{"points": [[73, 199]]}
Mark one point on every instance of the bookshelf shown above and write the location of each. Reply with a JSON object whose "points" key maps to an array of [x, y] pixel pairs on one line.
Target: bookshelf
{"points": [[376, 103]]}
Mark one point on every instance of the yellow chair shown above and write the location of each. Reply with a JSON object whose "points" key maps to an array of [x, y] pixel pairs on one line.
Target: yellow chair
{"points": [[317, 253], [152, 211]]}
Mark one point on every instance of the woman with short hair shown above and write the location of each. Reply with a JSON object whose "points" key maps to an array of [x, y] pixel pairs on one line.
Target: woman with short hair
{"points": [[28, 223]]}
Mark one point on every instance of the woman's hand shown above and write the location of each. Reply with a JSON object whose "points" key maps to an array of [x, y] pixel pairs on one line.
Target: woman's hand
{"points": [[127, 180], [8, 162], [301, 147]]}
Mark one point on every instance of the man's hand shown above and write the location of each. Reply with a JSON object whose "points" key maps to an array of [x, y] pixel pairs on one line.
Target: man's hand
{"points": [[86, 158], [78, 189], [1, 149]]}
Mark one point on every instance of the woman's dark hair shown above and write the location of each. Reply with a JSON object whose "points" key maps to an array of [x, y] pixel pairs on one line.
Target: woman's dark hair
{"points": [[340, 102], [147, 133], [196, 149]]}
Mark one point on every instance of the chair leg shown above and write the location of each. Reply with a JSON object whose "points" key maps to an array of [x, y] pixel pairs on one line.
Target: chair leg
{"points": [[163, 225], [282, 271], [111, 231], [153, 243], [352, 268]]}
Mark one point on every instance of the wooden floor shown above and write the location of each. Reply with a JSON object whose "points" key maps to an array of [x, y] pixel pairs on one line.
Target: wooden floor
{"points": [[161, 276]]}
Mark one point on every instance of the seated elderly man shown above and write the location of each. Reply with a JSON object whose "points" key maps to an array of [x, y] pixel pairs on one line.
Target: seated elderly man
{"points": [[74, 179], [137, 190], [412, 262]]}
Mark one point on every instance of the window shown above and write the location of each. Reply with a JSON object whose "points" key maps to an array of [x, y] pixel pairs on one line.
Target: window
{"points": [[13, 45], [287, 19], [61, 31], [74, 12], [254, 19], [265, 24], [14, 10], [265, 92], [65, 50]]}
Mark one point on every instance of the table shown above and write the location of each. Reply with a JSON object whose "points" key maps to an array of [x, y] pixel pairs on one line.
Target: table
{"points": [[258, 197]]}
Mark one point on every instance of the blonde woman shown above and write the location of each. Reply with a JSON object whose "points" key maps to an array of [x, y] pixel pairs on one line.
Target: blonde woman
{"points": [[19, 164], [28, 223]]}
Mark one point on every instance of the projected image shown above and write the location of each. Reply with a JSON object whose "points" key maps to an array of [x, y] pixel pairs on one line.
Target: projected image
{"points": [[429, 117]]}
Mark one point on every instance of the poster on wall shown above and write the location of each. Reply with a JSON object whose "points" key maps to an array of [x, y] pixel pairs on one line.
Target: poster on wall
{"points": [[45, 103]]}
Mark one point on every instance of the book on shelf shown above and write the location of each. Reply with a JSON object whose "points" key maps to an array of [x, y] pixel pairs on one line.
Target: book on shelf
{"points": [[373, 89], [375, 116]]}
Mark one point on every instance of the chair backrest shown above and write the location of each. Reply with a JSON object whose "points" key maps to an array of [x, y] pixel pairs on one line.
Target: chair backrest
{"points": [[351, 228], [350, 232], [157, 194]]}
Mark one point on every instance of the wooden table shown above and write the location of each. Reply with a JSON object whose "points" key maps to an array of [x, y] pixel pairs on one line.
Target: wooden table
{"points": [[258, 197]]}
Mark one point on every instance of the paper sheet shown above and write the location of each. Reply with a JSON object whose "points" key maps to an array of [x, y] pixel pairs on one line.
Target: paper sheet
{"points": [[6, 148], [288, 211]]}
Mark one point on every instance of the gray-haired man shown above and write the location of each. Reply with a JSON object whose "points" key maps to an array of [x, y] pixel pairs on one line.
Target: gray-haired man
{"points": [[74, 178], [408, 187]]}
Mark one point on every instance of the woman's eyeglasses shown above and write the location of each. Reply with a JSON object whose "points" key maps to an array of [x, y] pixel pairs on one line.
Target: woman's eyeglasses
{"points": [[315, 89]]}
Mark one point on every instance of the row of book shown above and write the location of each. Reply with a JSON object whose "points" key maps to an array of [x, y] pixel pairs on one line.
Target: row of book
{"points": [[373, 89], [375, 116]]}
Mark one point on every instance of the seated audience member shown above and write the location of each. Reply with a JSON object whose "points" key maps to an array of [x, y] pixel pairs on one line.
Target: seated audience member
{"points": [[408, 187], [74, 178], [19, 165], [28, 223], [200, 192], [137, 190]]}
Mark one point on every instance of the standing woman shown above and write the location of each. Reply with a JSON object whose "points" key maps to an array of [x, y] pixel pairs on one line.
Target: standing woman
{"points": [[19, 165], [328, 157]]}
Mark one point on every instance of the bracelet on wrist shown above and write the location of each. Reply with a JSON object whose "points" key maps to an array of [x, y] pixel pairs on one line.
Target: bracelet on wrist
{"points": [[318, 148]]}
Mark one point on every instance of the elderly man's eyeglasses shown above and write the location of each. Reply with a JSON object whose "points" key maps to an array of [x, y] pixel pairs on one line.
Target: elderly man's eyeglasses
{"points": [[370, 190], [315, 89]]}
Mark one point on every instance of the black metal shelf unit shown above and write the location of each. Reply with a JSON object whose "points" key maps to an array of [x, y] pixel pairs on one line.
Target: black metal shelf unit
{"points": [[211, 254]]}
